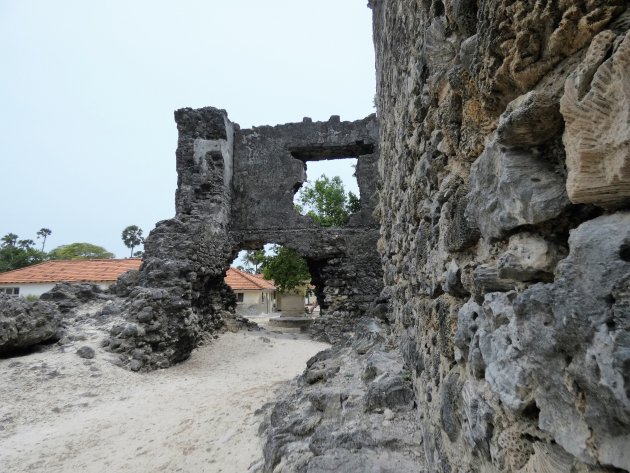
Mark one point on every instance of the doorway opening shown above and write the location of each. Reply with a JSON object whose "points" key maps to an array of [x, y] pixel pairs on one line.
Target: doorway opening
{"points": [[272, 280]]}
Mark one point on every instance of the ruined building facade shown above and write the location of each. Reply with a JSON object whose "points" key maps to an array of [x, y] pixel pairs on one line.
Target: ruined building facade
{"points": [[235, 191], [498, 171]]}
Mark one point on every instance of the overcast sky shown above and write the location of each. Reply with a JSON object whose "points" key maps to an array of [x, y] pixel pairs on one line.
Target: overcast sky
{"points": [[88, 90]]}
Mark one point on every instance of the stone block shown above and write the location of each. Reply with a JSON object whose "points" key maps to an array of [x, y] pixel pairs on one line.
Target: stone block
{"points": [[529, 257], [453, 281], [530, 120], [486, 279], [511, 187], [596, 110]]}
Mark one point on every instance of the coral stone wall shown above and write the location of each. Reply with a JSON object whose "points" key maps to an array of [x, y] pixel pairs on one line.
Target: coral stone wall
{"points": [[179, 293], [270, 164], [505, 230], [235, 190]]}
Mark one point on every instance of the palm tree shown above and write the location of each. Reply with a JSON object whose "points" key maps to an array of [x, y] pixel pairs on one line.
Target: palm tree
{"points": [[9, 240], [25, 244], [132, 237], [43, 233], [255, 258]]}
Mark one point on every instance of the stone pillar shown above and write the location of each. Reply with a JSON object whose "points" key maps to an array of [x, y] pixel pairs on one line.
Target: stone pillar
{"points": [[179, 293]]}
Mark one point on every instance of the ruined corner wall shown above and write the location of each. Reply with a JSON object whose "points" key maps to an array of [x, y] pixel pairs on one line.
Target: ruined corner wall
{"points": [[179, 293], [505, 230]]}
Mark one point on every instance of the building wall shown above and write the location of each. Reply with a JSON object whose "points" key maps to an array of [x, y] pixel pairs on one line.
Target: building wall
{"points": [[235, 190], [253, 301], [291, 304], [39, 289], [185, 258], [507, 291]]}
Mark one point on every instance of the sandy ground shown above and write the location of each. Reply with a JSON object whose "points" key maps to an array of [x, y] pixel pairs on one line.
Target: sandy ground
{"points": [[61, 413]]}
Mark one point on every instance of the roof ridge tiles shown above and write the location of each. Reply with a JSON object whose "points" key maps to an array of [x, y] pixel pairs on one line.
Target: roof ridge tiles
{"points": [[259, 282]]}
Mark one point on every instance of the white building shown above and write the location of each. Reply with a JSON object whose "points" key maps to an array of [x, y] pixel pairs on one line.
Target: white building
{"points": [[253, 293], [39, 278]]}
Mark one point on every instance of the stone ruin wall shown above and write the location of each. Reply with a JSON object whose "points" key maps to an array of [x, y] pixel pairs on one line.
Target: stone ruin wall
{"points": [[235, 191], [270, 165], [505, 231]]}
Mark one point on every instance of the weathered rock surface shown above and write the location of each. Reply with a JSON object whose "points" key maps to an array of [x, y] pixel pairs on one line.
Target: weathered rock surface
{"points": [[512, 187], [505, 295], [350, 411], [69, 296], [560, 351], [596, 109], [24, 324]]}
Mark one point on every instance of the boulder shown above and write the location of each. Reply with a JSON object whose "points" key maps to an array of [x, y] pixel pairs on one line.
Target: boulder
{"points": [[86, 352], [67, 296], [24, 324]]}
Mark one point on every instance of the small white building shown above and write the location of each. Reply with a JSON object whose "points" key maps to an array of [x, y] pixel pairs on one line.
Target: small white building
{"points": [[253, 293], [40, 278], [294, 303]]}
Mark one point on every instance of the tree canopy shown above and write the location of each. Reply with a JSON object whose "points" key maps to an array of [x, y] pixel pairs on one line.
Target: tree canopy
{"points": [[16, 253], [44, 233], [253, 260], [326, 202], [286, 268], [132, 237], [80, 251]]}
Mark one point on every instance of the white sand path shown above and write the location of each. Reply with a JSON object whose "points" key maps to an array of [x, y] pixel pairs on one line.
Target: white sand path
{"points": [[60, 413]]}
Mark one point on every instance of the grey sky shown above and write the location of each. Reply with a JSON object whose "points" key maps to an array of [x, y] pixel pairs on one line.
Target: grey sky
{"points": [[88, 89]]}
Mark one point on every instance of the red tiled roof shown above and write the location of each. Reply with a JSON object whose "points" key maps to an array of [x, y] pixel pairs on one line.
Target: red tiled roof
{"points": [[242, 281], [106, 270], [96, 270]]}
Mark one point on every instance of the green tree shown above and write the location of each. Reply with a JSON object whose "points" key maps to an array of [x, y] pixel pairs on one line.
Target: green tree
{"points": [[254, 258], [44, 233], [354, 203], [132, 237], [10, 239], [16, 253], [286, 268], [327, 202], [80, 251], [24, 244]]}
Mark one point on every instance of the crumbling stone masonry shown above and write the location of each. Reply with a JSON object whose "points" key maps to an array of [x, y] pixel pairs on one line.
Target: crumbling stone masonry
{"points": [[269, 167], [235, 190], [505, 231]]}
